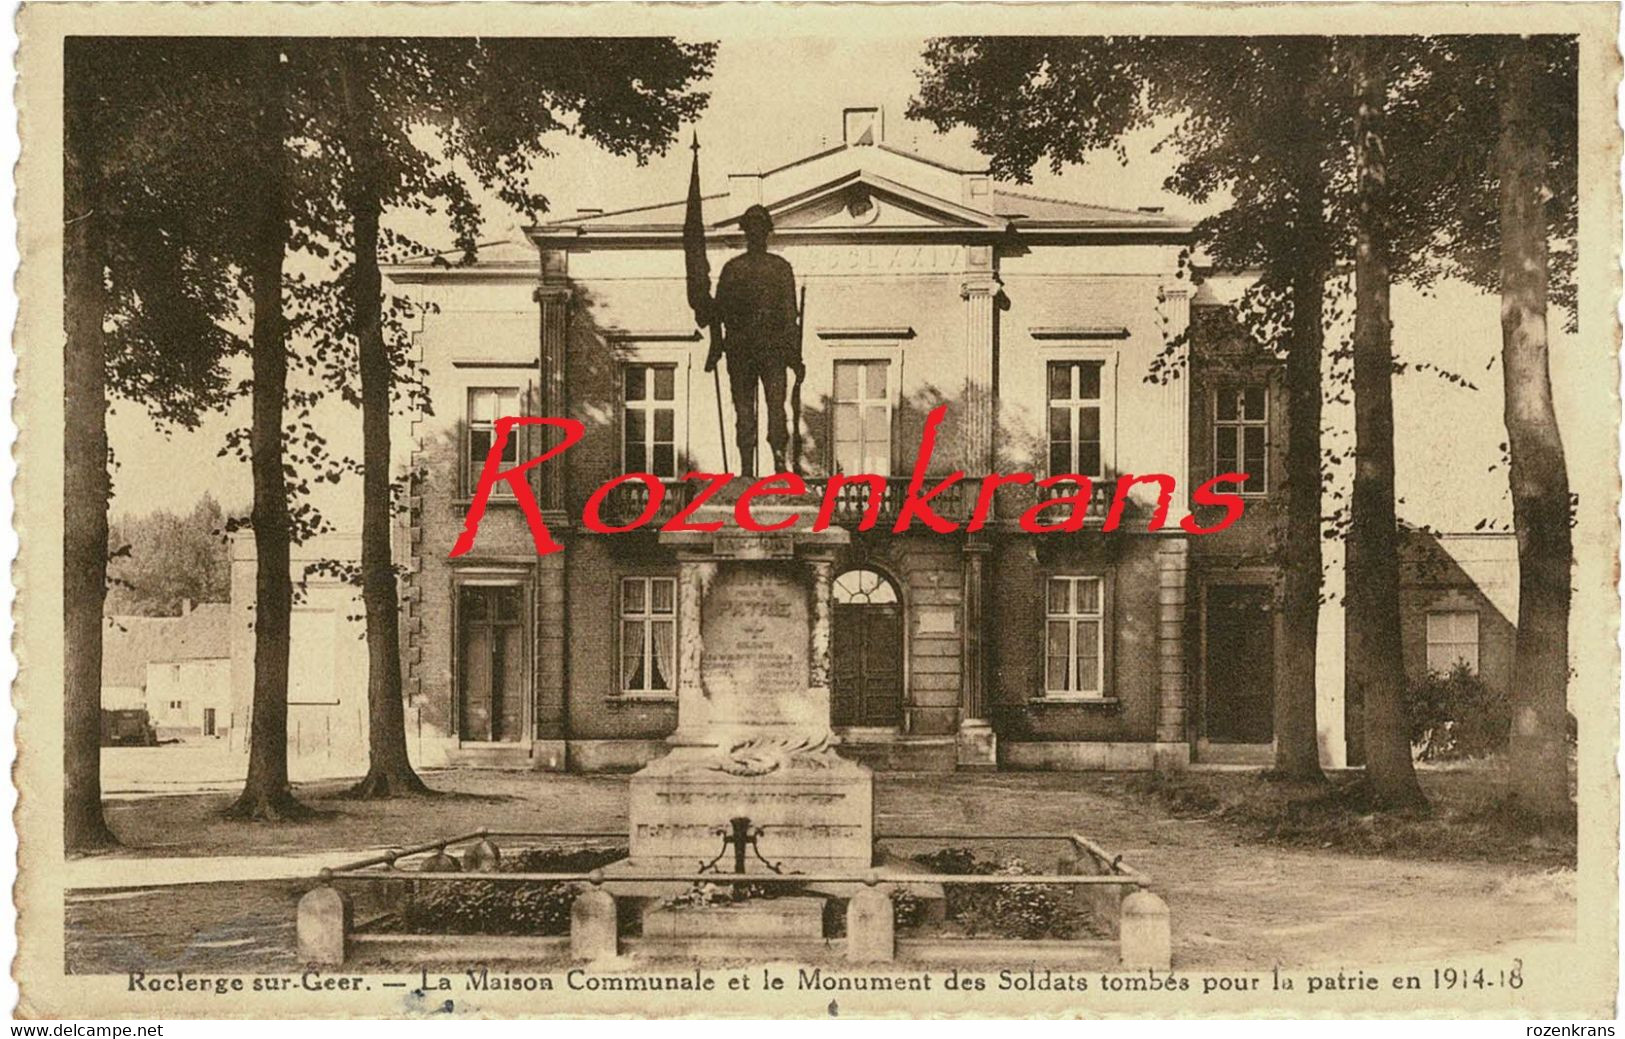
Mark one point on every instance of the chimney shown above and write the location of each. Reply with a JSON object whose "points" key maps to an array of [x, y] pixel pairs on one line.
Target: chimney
{"points": [[589, 211], [862, 126], [186, 607]]}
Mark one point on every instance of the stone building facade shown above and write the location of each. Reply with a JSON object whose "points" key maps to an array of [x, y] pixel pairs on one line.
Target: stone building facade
{"points": [[1046, 327]]}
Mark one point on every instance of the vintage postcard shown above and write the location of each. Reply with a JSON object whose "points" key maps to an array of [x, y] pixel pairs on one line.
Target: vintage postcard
{"points": [[818, 510]]}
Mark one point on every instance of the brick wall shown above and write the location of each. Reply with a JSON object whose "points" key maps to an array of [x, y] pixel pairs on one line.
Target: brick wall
{"points": [[1016, 643]]}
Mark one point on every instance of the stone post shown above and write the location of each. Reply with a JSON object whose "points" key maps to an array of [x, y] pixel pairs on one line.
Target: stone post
{"points": [[594, 931], [870, 926], [482, 857], [1143, 933], [323, 921]]}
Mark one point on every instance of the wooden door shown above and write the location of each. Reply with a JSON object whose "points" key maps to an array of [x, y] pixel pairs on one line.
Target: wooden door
{"points": [[1240, 665], [491, 656], [867, 671]]}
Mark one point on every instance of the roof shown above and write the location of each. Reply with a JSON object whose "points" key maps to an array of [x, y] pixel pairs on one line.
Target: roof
{"points": [[203, 634], [130, 643], [512, 251], [1023, 209], [1015, 208], [916, 195]]}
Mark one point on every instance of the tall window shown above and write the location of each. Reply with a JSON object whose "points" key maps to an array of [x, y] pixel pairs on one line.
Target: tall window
{"points": [[1241, 430], [1074, 418], [648, 635], [862, 433], [1452, 638], [1074, 637], [649, 417], [485, 406]]}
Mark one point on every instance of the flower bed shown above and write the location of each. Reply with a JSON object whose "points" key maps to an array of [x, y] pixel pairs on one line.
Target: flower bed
{"points": [[485, 907], [1012, 910]]}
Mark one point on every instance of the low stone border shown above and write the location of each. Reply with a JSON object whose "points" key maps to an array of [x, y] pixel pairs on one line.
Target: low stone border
{"points": [[327, 934]]}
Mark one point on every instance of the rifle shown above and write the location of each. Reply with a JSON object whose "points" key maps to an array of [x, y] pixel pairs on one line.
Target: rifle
{"points": [[711, 360], [800, 370]]}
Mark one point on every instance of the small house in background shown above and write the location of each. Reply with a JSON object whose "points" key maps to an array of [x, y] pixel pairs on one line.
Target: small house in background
{"points": [[188, 684], [128, 644], [166, 677], [1458, 603]]}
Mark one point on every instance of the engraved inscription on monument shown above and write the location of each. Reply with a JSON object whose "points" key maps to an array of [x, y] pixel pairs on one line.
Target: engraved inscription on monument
{"points": [[755, 631]]}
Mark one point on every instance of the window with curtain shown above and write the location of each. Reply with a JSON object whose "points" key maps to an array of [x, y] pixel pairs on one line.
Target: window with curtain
{"points": [[862, 417], [648, 636], [485, 406], [1074, 623], [1241, 434], [1452, 638], [1075, 418], [649, 419]]}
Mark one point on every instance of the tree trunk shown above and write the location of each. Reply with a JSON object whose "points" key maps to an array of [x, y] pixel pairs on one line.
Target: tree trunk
{"points": [[1297, 744], [389, 770], [84, 467], [267, 795], [1539, 472], [1375, 659]]}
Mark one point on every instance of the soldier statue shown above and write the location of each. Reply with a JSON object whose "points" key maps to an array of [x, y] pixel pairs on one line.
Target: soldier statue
{"points": [[756, 307]]}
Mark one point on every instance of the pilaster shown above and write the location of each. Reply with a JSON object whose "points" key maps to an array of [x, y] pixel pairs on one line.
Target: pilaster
{"points": [[1175, 311], [977, 742], [694, 576], [980, 293], [818, 657], [1173, 590], [553, 302]]}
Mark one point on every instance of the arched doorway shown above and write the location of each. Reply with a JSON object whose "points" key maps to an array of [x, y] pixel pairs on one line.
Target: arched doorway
{"points": [[867, 655]]}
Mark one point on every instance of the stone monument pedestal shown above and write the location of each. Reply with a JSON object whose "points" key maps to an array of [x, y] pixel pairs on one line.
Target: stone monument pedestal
{"points": [[811, 818], [753, 738]]}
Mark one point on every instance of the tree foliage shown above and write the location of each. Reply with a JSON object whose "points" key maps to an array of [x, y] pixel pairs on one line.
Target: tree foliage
{"points": [[1446, 178], [1256, 118], [163, 558]]}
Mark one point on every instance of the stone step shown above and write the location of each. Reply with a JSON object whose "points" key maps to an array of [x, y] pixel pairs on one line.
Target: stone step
{"points": [[755, 950], [490, 755], [903, 754], [794, 917]]}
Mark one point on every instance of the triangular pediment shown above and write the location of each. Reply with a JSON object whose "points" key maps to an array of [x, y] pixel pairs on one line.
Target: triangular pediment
{"points": [[861, 200]]}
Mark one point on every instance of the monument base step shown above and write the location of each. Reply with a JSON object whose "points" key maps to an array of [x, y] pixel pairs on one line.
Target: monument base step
{"points": [[902, 753], [751, 950], [795, 917]]}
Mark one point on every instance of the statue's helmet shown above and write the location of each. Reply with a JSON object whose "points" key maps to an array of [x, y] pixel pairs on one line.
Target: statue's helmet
{"points": [[756, 216]]}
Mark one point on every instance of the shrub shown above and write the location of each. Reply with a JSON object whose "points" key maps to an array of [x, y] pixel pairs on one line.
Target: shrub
{"points": [[1456, 715], [996, 910], [434, 906]]}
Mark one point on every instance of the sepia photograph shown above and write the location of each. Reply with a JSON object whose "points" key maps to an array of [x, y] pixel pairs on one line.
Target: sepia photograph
{"points": [[787, 511]]}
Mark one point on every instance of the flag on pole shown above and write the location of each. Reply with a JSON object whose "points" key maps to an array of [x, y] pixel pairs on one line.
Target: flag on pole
{"points": [[699, 268], [699, 288]]}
